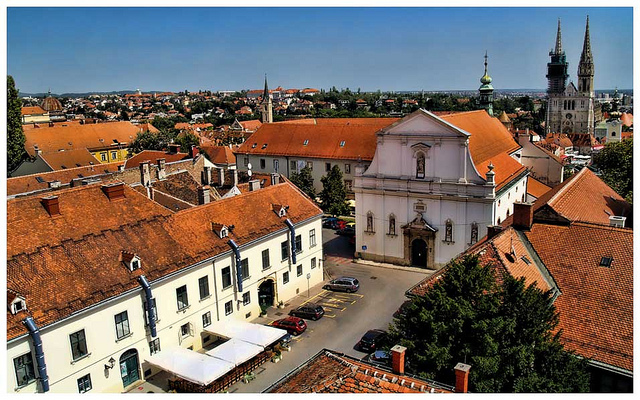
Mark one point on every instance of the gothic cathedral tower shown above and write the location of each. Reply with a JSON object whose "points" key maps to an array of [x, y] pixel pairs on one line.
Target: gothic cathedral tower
{"points": [[266, 107], [486, 90], [570, 109]]}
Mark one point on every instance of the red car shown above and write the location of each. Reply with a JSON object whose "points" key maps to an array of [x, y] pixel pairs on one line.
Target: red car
{"points": [[292, 325]]}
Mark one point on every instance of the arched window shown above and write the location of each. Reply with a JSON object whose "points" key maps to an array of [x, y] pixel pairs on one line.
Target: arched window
{"points": [[448, 231], [370, 222], [474, 233], [392, 224], [420, 165]]}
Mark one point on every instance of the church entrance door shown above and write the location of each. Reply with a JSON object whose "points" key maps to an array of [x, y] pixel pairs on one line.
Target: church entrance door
{"points": [[419, 253]]}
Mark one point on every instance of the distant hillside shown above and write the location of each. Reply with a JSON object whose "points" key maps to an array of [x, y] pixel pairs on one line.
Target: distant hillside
{"points": [[120, 92]]}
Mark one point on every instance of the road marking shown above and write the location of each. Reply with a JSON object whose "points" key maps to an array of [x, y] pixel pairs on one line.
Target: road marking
{"points": [[329, 316]]}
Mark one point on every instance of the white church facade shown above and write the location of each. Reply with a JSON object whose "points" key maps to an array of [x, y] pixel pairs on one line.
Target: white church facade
{"points": [[434, 186]]}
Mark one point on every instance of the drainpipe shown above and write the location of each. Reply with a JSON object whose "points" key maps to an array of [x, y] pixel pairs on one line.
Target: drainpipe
{"points": [[292, 239], [236, 251], [34, 332], [150, 301]]}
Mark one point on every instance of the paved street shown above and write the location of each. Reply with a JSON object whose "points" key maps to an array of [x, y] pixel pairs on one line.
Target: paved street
{"points": [[348, 316]]}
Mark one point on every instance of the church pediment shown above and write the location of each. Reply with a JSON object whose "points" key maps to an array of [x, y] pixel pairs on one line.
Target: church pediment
{"points": [[419, 223], [426, 123], [571, 88]]}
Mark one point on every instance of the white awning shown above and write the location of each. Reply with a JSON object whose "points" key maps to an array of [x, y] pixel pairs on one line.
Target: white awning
{"points": [[198, 368], [235, 351], [257, 334]]}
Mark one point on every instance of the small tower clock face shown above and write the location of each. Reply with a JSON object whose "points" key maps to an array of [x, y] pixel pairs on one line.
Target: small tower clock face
{"points": [[569, 116]]}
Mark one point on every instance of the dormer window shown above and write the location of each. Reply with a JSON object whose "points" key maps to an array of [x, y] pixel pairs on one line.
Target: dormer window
{"points": [[254, 145], [18, 304], [342, 143], [220, 229], [130, 260], [264, 146], [280, 210], [606, 262], [306, 142]]}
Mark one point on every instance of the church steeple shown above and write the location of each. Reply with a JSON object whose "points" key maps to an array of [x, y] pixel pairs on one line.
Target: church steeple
{"points": [[586, 68], [557, 69], [486, 90], [558, 49], [266, 106]]}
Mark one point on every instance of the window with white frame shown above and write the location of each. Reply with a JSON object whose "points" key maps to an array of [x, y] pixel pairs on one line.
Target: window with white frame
{"points": [[203, 284], [313, 263], [298, 244], [244, 264], [285, 278], [78, 345], [182, 297], [312, 238], [266, 263], [246, 298], [25, 372], [284, 250], [206, 319], [84, 383], [299, 270], [122, 325], [154, 346], [226, 277], [228, 307]]}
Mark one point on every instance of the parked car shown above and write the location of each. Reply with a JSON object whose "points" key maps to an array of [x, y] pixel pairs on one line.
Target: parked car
{"points": [[346, 231], [372, 340], [343, 284], [379, 357], [341, 224], [292, 325], [330, 222], [309, 311]]}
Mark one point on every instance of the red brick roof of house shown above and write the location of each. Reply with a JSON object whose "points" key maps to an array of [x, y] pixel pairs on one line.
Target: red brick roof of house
{"points": [[627, 119], [219, 154], [536, 188], [153, 156], [76, 136], [35, 110], [69, 159], [38, 267], [332, 372], [596, 304], [30, 183], [251, 125]]}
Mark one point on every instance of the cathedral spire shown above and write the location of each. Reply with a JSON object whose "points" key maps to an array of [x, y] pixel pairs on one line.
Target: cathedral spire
{"points": [[586, 68], [266, 105], [559, 39], [586, 47], [265, 94]]}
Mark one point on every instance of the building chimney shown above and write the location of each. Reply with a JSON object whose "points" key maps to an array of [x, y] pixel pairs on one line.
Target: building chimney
{"points": [[174, 148], [37, 150], [54, 184], [462, 377], [491, 175], [397, 359], [114, 191], [235, 177], [194, 151], [616, 220], [51, 204], [522, 215], [493, 230], [206, 175], [254, 185], [145, 175], [203, 195], [162, 174], [220, 176], [275, 178]]}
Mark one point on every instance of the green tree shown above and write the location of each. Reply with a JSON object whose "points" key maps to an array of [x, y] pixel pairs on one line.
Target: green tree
{"points": [[304, 181], [186, 140], [334, 193], [505, 332], [151, 141], [615, 162], [16, 152]]}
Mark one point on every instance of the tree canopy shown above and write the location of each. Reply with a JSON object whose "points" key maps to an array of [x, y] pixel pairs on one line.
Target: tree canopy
{"points": [[505, 331], [334, 193], [615, 162], [16, 152], [304, 181]]}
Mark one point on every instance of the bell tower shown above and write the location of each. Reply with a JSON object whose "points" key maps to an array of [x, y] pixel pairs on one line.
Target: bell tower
{"points": [[266, 106], [586, 68], [557, 69], [486, 90]]}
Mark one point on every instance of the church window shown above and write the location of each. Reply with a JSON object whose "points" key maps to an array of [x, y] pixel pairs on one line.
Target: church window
{"points": [[474, 232], [420, 166], [370, 222], [573, 104], [392, 224], [448, 231], [508, 213]]}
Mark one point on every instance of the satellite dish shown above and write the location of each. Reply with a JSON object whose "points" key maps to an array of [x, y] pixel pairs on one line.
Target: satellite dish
{"points": [[249, 166], [249, 173]]}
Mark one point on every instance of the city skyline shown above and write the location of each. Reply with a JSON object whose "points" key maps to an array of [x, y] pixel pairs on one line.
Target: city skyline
{"points": [[387, 49]]}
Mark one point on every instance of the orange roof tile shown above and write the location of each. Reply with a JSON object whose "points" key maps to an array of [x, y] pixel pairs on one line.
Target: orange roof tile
{"points": [[69, 159], [251, 125], [596, 303], [35, 110], [536, 188], [75, 136], [219, 154]]}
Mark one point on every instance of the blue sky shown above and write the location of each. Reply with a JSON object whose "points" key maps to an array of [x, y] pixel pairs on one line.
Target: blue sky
{"points": [[105, 49]]}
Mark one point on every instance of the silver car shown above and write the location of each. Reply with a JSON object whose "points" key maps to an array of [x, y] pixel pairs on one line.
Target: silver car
{"points": [[343, 284]]}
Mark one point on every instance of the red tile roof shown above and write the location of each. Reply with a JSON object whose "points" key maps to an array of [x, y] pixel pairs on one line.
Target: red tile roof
{"points": [[38, 266], [536, 188], [30, 183], [69, 159], [332, 372], [32, 110], [219, 154], [251, 125], [596, 304], [153, 156], [75, 136]]}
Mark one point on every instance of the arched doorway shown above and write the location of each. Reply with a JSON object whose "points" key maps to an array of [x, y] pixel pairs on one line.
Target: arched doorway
{"points": [[419, 253], [129, 370], [266, 293]]}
